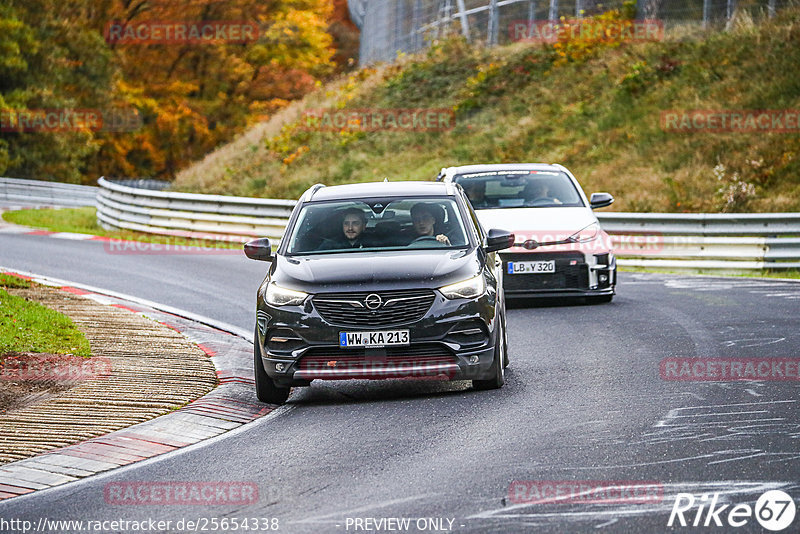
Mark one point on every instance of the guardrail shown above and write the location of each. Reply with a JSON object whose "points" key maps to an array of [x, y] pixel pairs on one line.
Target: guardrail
{"points": [[744, 241], [38, 192], [727, 241], [190, 215], [705, 224]]}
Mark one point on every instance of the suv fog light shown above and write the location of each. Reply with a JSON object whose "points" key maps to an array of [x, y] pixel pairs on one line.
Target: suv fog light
{"points": [[280, 367], [474, 358], [603, 278]]}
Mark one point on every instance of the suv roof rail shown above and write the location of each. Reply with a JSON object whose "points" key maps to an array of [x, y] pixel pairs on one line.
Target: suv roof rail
{"points": [[309, 194]]}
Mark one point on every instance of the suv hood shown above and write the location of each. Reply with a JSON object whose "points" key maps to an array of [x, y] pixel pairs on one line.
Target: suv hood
{"points": [[362, 271]]}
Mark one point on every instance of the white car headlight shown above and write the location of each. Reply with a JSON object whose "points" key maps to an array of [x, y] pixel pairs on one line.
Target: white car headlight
{"points": [[467, 289], [586, 234], [280, 296]]}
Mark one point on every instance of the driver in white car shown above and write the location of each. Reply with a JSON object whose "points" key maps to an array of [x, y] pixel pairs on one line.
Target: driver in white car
{"points": [[538, 192]]}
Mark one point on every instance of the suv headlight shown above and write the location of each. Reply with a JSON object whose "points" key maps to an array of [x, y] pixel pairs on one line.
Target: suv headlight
{"points": [[280, 296], [468, 289]]}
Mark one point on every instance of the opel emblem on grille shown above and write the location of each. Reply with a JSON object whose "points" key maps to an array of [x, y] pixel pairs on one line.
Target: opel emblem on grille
{"points": [[373, 301]]}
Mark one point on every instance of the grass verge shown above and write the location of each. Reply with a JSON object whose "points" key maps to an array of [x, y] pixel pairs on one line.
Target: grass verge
{"points": [[10, 281], [27, 326], [84, 221], [788, 274]]}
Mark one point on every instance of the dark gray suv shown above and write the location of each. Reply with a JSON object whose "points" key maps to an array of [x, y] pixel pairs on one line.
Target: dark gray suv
{"points": [[380, 280]]}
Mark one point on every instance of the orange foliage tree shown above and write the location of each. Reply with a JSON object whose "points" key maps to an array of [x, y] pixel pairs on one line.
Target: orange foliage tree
{"points": [[191, 97]]}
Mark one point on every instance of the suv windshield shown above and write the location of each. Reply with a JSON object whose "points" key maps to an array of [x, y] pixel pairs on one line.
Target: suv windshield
{"points": [[519, 189], [377, 224]]}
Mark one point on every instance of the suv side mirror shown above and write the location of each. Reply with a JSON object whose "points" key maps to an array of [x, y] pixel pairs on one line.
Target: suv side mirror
{"points": [[600, 200], [259, 249], [499, 240]]}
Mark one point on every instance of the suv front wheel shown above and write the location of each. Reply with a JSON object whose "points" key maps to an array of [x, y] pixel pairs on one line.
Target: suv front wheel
{"points": [[498, 378], [266, 390]]}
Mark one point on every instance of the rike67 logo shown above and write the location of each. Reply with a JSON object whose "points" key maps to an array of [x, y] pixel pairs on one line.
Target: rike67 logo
{"points": [[774, 510]]}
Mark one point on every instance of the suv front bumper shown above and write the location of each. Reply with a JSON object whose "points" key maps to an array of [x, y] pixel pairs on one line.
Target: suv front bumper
{"points": [[454, 340]]}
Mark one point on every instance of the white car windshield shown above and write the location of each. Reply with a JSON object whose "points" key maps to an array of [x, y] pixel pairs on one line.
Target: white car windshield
{"points": [[519, 189], [377, 224]]}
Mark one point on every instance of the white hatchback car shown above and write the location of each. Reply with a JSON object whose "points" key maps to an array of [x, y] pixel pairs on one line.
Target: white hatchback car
{"points": [[560, 249]]}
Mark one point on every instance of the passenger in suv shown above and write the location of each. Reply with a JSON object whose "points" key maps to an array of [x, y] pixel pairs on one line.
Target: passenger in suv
{"points": [[429, 308]]}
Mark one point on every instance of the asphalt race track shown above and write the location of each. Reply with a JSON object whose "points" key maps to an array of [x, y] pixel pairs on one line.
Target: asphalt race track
{"points": [[584, 401]]}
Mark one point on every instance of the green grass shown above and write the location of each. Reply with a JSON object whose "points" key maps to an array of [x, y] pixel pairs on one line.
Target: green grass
{"points": [[595, 109], [788, 274], [27, 326], [84, 221], [75, 220], [11, 281]]}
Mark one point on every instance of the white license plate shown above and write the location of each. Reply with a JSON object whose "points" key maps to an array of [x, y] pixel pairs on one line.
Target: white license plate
{"points": [[531, 267], [378, 338]]}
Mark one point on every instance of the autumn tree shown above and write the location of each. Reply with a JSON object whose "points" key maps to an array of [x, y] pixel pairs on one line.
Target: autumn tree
{"points": [[193, 97], [48, 63], [188, 97]]}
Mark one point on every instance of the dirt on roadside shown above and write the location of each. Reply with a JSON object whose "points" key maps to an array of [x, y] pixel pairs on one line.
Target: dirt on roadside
{"points": [[19, 392]]}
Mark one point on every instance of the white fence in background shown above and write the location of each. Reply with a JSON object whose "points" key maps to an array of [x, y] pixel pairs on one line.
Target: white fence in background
{"points": [[391, 26], [40, 193], [739, 241]]}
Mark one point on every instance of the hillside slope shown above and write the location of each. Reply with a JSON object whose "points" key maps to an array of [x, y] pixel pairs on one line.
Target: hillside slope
{"points": [[595, 107]]}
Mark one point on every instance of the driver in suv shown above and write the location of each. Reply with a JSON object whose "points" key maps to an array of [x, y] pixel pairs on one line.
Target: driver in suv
{"points": [[425, 221]]}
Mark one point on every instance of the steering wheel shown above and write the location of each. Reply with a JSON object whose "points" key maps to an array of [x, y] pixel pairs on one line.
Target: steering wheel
{"points": [[426, 238], [542, 201]]}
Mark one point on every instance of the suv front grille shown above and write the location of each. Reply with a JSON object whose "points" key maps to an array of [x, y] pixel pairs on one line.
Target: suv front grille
{"points": [[352, 309]]}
